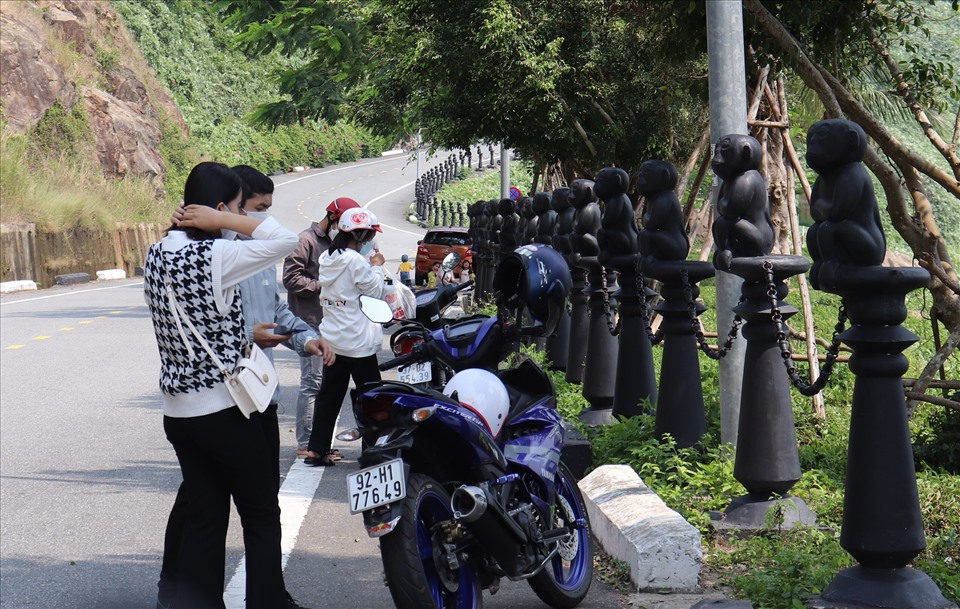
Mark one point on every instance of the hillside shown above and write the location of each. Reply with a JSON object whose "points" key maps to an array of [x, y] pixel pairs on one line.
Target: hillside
{"points": [[79, 58]]}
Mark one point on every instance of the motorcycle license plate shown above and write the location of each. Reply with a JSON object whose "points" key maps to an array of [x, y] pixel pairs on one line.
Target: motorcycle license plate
{"points": [[377, 485], [415, 373]]}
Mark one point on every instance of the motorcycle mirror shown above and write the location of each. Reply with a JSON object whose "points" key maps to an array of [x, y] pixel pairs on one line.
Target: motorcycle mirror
{"points": [[376, 310], [450, 261]]}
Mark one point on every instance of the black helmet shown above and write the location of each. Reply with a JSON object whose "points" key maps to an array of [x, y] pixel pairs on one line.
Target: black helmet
{"points": [[539, 277]]}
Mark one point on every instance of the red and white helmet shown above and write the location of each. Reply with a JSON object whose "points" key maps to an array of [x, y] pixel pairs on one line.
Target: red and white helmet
{"points": [[358, 219], [340, 205]]}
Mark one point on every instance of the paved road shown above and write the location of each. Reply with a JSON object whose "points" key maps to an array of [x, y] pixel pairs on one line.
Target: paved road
{"points": [[87, 477]]}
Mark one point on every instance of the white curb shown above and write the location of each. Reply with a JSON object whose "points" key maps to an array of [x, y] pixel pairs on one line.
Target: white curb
{"points": [[17, 286], [111, 274], [634, 525]]}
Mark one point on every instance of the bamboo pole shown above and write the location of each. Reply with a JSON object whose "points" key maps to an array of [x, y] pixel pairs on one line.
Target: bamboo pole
{"points": [[819, 408]]}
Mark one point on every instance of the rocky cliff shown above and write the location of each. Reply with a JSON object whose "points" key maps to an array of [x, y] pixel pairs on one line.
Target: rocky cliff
{"points": [[79, 52]]}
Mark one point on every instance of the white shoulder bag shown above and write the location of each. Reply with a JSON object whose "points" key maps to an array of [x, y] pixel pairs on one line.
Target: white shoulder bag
{"points": [[253, 380]]}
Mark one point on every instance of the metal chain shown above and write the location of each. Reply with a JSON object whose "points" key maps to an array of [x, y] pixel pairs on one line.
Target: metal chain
{"points": [[807, 389], [614, 328], [715, 354], [655, 339]]}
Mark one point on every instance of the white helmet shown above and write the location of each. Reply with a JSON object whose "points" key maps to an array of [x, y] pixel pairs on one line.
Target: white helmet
{"points": [[484, 393], [358, 219]]}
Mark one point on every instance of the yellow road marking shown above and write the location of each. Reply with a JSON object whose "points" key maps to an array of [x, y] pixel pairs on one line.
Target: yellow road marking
{"points": [[114, 312], [100, 317], [16, 346], [86, 321], [67, 328], [40, 337]]}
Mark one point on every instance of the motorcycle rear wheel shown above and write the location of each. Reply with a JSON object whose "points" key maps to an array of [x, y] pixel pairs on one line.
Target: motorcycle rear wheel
{"points": [[566, 579], [416, 580]]}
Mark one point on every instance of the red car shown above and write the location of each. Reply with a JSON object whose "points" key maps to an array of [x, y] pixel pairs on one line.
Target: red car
{"points": [[436, 244]]}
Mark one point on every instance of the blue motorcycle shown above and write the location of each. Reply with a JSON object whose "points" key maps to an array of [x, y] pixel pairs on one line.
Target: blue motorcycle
{"points": [[465, 487]]}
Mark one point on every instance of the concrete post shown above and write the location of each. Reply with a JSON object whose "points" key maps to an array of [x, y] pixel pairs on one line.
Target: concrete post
{"points": [[728, 114]]}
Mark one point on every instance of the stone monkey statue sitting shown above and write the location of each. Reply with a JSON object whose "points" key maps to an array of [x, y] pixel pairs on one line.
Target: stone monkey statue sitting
{"points": [[586, 223], [562, 204], [508, 227], [529, 219], [546, 217], [618, 232], [846, 227], [664, 236], [742, 226]]}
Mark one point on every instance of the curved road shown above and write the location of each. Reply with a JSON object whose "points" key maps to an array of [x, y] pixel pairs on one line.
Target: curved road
{"points": [[87, 477]]}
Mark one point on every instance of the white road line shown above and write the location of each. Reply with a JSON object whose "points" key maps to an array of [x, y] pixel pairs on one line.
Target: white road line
{"points": [[387, 194], [71, 293], [296, 495], [322, 173]]}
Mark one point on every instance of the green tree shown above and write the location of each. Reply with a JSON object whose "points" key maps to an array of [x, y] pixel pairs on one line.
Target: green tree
{"points": [[589, 83]]}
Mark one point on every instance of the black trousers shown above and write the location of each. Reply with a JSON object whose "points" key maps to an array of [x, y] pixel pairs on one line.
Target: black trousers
{"points": [[223, 455], [333, 388]]}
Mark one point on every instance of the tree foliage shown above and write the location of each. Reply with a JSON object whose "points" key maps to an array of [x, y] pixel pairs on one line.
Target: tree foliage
{"points": [[591, 83]]}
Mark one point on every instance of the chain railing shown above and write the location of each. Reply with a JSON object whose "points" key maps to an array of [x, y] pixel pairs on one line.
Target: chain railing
{"points": [[833, 351], [715, 354]]}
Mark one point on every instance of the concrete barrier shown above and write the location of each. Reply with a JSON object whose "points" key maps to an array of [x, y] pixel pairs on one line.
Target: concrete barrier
{"points": [[22, 285], [634, 525], [109, 274], [71, 278]]}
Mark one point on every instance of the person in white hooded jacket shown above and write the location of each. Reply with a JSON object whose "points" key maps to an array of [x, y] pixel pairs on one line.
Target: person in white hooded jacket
{"points": [[344, 274]]}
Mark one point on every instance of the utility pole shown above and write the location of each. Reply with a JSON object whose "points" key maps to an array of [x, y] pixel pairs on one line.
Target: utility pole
{"points": [[418, 153], [728, 114], [504, 171]]}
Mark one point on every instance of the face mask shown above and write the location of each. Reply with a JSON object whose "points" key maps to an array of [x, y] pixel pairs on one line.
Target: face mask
{"points": [[332, 233], [366, 248], [258, 215], [229, 235]]}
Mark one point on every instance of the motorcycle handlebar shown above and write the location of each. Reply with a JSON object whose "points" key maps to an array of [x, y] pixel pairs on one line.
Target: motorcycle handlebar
{"points": [[399, 361]]}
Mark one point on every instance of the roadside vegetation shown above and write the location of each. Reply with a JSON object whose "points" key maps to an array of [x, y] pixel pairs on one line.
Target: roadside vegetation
{"points": [[218, 88]]}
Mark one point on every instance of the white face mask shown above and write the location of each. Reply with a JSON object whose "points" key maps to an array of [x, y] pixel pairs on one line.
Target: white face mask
{"points": [[366, 248], [258, 215], [229, 235], [332, 233]]}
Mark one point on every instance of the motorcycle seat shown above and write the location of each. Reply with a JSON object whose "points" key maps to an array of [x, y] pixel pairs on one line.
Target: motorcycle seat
{"points": [[526, 384]]}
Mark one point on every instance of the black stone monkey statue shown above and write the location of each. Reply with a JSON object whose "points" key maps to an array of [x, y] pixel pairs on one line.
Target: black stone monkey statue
{"points": [[663, 236], [846, 227]]}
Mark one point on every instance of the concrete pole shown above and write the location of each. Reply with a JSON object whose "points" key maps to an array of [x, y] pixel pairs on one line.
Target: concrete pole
{"points": [[504, 171], [728, 114]]}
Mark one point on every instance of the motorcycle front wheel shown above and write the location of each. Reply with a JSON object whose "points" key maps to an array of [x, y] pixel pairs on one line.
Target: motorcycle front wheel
{"points": [[564, 582], [417, 577]]}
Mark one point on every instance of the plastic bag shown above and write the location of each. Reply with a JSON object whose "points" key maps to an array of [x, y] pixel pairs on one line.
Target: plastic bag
{"points": [[401, 299]]}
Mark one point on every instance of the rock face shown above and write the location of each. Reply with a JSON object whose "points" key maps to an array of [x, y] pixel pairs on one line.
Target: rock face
{"points": [[30, 77], [127, 139], [77, 51]]}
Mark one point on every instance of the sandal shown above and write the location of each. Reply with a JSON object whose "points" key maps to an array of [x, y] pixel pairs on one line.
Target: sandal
{"points": [[324, 461], [334, 455]]}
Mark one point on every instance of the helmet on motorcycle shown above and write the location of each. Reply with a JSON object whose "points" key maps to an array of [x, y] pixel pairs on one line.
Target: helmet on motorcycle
{"points": [[360, 219], [484, 393], [538, 276], [340, 205]]}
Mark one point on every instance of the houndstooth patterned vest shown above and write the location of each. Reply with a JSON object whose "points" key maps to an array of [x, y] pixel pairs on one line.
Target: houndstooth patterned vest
{"points": [[190, 270]]}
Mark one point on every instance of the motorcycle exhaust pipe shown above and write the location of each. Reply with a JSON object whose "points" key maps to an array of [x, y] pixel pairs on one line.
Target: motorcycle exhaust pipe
{"points": [[493, 529], [468, 503]]}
